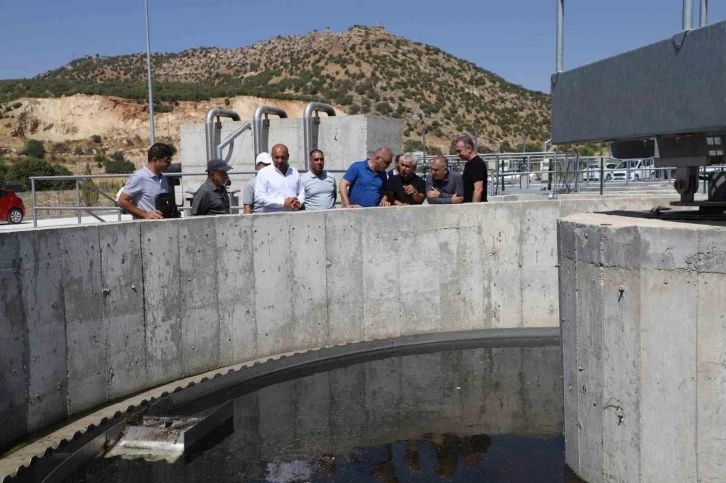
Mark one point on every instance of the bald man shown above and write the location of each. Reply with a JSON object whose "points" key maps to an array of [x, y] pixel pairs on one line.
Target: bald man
{"points": [[444, 186], [365, 183], [278, 186]]}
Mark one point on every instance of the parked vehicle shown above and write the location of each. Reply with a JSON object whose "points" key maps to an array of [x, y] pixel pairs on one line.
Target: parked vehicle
{"points": [[12, 208], [593, 171], [634, 169]]}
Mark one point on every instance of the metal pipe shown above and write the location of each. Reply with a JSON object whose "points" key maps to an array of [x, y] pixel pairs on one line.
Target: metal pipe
{"points": [[148, 75], [209, 127], [704, 13], [310, 109], [560, 35], [258, 124], [687, 14], [231, 138]]}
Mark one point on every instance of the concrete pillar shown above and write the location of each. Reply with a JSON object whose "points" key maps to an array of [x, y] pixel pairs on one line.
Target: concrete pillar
{"points": [[641, 303]]}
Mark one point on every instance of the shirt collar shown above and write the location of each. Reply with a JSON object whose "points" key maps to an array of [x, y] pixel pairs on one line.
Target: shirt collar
{"points": [[214, 187], [151, 173]]}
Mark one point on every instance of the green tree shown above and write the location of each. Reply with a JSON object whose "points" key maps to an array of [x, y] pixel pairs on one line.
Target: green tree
{"points": [[96, 139], [23, 170], [114, 166], [3, 172], [505, 147], [34, 149]]}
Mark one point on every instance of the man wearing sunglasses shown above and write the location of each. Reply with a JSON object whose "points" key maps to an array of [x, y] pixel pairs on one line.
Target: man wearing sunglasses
{"points": [[138, 197], [365, 183]]}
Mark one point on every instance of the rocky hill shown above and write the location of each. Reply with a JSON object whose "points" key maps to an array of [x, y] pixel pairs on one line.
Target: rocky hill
{"points": [[362, 70]]}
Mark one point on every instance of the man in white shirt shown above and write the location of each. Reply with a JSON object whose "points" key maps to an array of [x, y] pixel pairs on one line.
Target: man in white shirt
{"points": [[278, 187]]}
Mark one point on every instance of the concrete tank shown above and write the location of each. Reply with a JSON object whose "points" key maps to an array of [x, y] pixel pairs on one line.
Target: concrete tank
{"points": [[643, 311]]}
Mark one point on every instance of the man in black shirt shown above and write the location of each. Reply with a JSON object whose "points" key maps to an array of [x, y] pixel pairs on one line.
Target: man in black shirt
{"points": [[407, 188], [211, 198], [475, 171]]}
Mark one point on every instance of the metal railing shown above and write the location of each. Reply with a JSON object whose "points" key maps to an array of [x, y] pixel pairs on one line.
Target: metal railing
{"points": [[87, 181]]}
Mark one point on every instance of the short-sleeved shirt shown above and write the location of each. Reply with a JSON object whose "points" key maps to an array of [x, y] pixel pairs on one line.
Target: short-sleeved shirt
{"points": [[144, 186], [366, 186], [210, 200], [474, 170], [396, 185], [248, 193], [320, 191]]}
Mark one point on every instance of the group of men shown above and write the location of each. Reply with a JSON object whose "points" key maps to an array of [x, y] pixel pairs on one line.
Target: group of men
{"points": [[279, 187]]}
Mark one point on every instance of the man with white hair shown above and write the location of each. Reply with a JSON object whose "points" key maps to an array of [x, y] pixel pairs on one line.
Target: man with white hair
{"points": [[248, 192], [407, 188]]}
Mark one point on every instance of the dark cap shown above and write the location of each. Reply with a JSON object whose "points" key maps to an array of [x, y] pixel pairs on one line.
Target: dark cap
{"points": [[217, 165]]}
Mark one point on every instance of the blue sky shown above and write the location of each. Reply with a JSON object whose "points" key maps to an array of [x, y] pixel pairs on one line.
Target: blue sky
{"points": [[513, 38]]}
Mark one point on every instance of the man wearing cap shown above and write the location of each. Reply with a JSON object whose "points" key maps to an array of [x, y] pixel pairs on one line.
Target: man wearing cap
{"points": [[211, 198], [278, 187], [248, 193]]}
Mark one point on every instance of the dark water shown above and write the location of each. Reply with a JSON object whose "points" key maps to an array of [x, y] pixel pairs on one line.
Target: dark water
{"points": [[476, 415]]}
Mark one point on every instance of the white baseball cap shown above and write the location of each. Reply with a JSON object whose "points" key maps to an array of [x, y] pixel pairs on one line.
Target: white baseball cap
{"points": [[263, 158]]}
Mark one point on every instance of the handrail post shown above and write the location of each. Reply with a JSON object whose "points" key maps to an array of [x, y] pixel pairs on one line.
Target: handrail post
{"points": [[602, 175], [78, 201], [35, 213]]}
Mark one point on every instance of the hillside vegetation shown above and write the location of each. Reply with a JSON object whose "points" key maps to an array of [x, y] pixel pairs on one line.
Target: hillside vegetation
{"points": [[363, 70]]}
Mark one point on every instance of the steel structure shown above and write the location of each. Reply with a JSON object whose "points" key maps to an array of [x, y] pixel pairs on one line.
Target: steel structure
{"points": [[663, 100]]}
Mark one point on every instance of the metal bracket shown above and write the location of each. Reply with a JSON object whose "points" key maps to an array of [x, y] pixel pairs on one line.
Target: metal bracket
{"points": [[679, 39], [553, 79]]}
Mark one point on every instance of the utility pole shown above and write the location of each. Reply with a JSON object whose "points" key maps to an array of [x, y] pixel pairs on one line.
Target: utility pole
{"points": [[148, 75], [424, 144]]}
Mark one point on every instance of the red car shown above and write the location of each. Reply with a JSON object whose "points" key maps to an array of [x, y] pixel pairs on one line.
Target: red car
{"points": [[11, 207]]}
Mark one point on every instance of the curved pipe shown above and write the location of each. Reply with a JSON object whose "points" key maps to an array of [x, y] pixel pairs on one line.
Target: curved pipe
{"points": [[313, 107], [230, 139], [209, 127], [257, 123]]}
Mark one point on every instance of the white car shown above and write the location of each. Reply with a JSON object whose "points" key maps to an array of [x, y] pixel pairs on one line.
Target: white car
{"points": [[592, 172], [634, 169]]}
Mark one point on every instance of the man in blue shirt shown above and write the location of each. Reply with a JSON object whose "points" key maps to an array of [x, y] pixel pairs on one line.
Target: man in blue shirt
{"points": [[364, 184]]}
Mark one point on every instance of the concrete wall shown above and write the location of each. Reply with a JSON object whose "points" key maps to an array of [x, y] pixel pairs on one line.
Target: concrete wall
{"points": [[344, 139], [643, 306], [89, 314]]}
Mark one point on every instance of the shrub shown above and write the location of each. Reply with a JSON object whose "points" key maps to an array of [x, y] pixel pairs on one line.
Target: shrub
{"points": [[34, 149], [3, 171], [384, 108], [117, 156], [90, 196], [23, 170], [96, 139], [59, 148], [17, 105], [78, 151], [114, 166]]}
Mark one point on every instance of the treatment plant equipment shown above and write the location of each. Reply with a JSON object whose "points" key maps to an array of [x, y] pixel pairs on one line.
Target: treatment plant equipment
{"points": [[641, 299], [663, 100]]}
